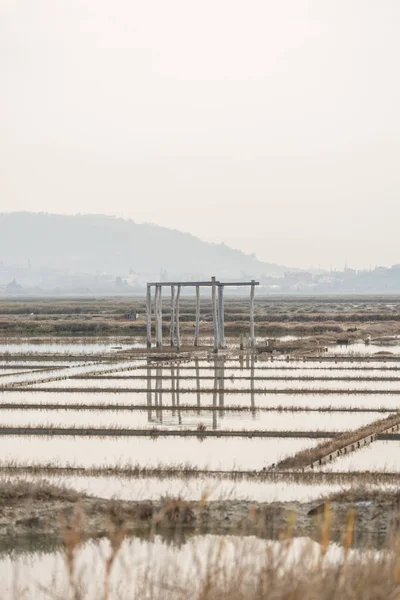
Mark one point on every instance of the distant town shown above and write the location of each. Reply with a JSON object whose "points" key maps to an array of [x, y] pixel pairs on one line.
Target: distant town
{"points": [[28, 281]]}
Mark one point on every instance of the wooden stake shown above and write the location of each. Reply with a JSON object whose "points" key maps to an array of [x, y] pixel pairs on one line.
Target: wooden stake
{"points": [[178, 333], [148, 315], [252, 340], [214, 312], [197, 324], [221, 317], [160, 314], [156, 315], [172, 329]]}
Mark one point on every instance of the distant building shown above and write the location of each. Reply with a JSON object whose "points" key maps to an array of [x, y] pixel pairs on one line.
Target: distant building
{"points": [[298, 277]]}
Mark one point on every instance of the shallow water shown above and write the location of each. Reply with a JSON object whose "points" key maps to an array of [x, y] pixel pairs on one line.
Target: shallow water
{"points": [[248, 401], [183, 563], [210, 453], [66, 348], [362, 349], [379, 456], [188, 488], [176, 419]]}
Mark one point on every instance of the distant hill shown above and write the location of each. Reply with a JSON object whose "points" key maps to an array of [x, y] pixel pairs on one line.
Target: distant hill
{"points": [[102, 244]]}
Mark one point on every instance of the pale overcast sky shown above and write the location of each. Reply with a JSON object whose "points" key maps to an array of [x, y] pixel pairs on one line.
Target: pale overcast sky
{"points": [[271, 125]]}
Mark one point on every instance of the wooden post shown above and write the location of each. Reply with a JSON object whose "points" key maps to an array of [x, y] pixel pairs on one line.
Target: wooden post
{"points": [[214, 312], [156, 314], [197, 324], [160, 314], [172, 330], [148, 315], [178, 333], [221, 317], [252, 340]]}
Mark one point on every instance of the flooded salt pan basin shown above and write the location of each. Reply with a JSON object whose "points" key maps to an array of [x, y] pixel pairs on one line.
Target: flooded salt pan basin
{"points": [[169, 373], [188, 488], [63, 348], [380, 456], [176, 419], [210, 453], [142, 384], [158, 567], [247, 401], [363, 349]]}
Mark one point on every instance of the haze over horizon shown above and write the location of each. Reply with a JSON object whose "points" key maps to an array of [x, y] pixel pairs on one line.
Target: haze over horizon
{"points": [[271, 127]]}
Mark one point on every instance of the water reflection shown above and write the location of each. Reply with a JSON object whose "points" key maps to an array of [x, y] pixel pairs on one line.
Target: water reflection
{"points": [[159, 378]]}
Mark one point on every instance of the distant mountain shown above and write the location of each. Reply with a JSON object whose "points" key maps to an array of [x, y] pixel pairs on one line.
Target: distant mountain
{"points": [[101, 244]]}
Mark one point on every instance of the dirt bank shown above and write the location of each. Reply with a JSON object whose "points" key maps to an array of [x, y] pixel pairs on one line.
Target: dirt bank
{"points": [[27, 511]]}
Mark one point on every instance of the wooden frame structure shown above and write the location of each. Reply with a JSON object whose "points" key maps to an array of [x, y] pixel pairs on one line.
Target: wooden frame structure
{"points": [[217, 301]]}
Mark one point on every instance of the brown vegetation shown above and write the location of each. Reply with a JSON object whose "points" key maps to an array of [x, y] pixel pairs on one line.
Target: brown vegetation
{"points": [[306, 457]]}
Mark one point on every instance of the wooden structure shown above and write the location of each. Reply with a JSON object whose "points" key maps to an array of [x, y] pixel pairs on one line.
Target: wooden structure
{"points": [[217, 301]]}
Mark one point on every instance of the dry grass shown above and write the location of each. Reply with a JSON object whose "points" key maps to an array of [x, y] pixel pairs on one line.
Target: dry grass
{"points": [[283, 570], [306, 457], [38, 490]]}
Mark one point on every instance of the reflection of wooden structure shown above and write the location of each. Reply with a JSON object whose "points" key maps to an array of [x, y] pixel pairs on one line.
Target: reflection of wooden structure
{"points": [[169, 413], [217, 296]]}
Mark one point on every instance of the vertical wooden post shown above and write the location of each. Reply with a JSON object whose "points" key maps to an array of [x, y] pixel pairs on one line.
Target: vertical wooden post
{"points": [[156, 314], [214, 313], [160, 314], [252, 340], [178, 333], [197, 323], [172, 329], [221, 317], [148, 315]]}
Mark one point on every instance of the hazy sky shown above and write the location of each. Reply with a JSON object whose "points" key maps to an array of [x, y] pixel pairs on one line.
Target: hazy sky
{"points": [[271, 125]]}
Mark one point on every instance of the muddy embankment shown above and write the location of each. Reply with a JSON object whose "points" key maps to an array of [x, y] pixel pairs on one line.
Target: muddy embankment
{"points": [[371, 519]]}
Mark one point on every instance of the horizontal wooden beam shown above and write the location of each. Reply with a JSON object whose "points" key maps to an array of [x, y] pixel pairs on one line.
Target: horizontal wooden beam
{"points": [[183, 283], [203, 283]]}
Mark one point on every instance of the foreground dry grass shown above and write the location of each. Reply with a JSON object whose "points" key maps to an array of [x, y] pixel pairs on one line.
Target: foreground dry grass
{"points": [[282, 570], [225, 568]]}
